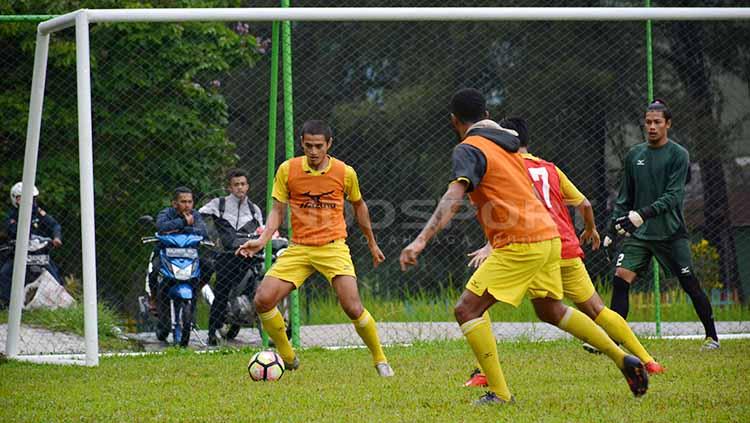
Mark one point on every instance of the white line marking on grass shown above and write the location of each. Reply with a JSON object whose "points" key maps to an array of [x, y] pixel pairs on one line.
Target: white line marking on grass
{"points": [[721, 336], [80, 359]]}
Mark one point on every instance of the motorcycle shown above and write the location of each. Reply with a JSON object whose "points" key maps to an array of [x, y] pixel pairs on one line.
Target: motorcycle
{"points": [[240, 307], [42, 285], [177, 278]]}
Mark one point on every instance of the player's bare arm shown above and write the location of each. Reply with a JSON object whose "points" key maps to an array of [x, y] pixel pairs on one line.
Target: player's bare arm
{"points": [[589, 235], [449, 205], [274, 220], [362, 213]]}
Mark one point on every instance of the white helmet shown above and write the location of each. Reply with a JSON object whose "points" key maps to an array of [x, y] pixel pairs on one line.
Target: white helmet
{"points": [[16, 192]]}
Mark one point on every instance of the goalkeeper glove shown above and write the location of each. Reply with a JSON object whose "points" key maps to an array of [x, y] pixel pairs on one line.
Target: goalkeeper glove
{"points": [[626, 225]]}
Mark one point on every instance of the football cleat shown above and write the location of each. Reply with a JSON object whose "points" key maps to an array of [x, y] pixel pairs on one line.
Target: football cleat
{"points": [[710, 345], [477, 378], [213, 341], [635, 374], [491, 398], [590, 348], [294, 365], [384, 369], [654, 368]]}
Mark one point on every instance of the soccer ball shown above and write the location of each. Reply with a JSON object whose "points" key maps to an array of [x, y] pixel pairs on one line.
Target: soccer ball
{"points": [[265, 365]]}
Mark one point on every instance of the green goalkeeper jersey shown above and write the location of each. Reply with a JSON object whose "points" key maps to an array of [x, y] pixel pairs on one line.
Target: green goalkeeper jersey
{"points": [[654, 185]]}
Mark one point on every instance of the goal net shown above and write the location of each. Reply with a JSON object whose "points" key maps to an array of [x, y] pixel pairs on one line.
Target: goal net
{"points": [[139, 102]]}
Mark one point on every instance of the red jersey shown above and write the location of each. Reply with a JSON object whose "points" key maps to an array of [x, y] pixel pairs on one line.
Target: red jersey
{"points": [[546, 178]]}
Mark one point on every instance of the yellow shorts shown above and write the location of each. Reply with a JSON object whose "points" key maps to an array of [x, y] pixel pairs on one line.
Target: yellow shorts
{"points": [[576, 282], [300, 261], [515, 269]]}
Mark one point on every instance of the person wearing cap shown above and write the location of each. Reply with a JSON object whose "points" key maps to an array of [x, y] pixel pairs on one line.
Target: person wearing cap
{"points": [[42, 224]]}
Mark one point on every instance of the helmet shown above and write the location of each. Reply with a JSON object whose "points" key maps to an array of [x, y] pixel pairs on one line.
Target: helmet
{"points": [[16, 192]]}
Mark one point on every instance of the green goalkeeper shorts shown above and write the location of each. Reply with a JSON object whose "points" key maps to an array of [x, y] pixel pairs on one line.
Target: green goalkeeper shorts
{"points": [[674, 256]]}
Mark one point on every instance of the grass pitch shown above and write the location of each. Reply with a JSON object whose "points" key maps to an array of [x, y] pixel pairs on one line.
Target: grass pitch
{"points": [[552, 381]]}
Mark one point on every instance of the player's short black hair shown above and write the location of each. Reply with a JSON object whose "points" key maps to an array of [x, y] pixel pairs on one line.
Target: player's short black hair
{"points": [[316, 127], [519, 125], [468, 105], [181, 190], [236, 173], [659, 105]]}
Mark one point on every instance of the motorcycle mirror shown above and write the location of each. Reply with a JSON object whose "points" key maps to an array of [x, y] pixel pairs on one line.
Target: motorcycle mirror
{"points": [[146, 220]]}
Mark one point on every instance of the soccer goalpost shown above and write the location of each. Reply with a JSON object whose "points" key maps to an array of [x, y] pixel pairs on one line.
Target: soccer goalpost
{"points": [[82, 19]]}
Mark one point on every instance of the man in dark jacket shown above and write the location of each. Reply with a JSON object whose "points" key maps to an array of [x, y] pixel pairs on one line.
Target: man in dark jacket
{"points": [[180, 218]]}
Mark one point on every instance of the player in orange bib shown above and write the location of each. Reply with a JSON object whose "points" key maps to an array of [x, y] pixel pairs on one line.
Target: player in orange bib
{"points": [[314, 187], [557, 192], [525, 258]]}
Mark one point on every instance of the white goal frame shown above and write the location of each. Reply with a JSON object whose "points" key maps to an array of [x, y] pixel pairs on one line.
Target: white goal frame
{"points": [[81, 19]]}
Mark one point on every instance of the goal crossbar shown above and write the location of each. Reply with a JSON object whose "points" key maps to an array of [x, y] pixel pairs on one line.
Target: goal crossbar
{"points": [[81, 19], [400, 14]]}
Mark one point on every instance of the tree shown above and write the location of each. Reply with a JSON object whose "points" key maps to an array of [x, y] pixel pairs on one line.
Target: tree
{"points": [[688, 58], [160, 121]]}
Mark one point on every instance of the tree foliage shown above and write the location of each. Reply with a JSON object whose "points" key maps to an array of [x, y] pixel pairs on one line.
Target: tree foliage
{"points": [[159, 117]]}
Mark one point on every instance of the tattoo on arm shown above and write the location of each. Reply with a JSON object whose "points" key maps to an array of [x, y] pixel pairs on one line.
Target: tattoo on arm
{"points": [[449, 205]]}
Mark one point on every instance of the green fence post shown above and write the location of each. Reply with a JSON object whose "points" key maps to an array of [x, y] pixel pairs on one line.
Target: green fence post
{"points": [[273, 99], [286, 61], [650, 84]]}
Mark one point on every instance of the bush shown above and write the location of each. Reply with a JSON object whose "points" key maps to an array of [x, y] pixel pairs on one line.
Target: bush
{"points": [[706, 264]]}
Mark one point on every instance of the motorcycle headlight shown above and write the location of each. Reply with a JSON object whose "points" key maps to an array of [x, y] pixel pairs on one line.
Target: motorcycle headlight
{"points": [[182, 274]]}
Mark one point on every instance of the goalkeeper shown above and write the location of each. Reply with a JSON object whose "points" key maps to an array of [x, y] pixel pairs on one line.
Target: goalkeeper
{"points": [[649, 213]]}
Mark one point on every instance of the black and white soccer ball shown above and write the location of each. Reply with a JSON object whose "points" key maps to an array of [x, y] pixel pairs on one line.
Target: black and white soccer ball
{"points": [[265, 365]]}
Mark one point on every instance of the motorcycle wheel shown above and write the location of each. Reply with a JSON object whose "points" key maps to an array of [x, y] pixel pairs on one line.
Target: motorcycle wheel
{"points": [[185, 320], [233, 331]]}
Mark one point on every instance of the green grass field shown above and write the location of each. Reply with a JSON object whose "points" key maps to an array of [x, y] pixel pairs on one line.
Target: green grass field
{"points": [[552, 381]]}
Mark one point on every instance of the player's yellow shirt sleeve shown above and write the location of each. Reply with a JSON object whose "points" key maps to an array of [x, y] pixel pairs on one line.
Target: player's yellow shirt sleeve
{"points": [[570, 193], [280, 188], [351, 185]]}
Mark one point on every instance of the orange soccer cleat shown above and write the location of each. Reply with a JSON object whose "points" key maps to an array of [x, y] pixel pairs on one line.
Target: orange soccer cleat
{"points": [[476, 379]]}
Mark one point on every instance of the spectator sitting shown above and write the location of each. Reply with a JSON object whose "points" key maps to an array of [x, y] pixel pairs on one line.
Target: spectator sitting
{"points": [[236, 219], [180, 218]]}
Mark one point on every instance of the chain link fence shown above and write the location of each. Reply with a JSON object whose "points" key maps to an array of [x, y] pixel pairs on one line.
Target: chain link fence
{"points": [[179, 104]]}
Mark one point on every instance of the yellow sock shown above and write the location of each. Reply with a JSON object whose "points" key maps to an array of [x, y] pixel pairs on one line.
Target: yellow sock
{"points": [[583, 328], [273, 323], [486, 317], [617, 328], [365, 326], [479, 335]]}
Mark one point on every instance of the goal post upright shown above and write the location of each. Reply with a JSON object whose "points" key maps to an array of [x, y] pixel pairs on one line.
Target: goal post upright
{"points": [[33, 129], [86, 166], [81, 20]]}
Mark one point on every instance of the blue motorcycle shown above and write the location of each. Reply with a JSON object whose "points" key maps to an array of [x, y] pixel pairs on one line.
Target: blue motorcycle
{"points": [[178, 276]]}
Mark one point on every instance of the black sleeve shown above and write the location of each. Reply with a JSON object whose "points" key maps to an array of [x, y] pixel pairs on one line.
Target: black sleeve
{"points": [[468, 162]]}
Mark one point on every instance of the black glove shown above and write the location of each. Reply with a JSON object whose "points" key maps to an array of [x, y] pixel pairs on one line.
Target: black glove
{"points": [[626, 225]]}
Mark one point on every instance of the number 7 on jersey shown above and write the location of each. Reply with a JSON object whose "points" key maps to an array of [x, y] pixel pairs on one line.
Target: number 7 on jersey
{"points": [[540, 174]]}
